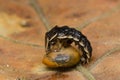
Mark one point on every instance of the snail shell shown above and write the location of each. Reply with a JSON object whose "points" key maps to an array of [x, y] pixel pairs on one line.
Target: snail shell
{"points": [[66, 57]]}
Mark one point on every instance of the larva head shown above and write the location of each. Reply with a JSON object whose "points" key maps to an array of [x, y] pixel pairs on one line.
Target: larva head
{"points": [[51, 41]]}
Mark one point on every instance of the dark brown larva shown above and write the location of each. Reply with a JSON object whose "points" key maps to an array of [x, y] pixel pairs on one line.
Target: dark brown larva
{"points": [[62, 37]]}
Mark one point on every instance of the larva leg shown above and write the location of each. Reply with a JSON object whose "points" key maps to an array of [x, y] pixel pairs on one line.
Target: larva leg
{"points": [[84, 58], [85, 46]]}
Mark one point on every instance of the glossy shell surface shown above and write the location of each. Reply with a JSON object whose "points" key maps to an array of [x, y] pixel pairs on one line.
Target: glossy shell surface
{"points": [[66, 57]]}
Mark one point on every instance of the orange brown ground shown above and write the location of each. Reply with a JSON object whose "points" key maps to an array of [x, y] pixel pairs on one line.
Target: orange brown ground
{"points": [[22, 37]]}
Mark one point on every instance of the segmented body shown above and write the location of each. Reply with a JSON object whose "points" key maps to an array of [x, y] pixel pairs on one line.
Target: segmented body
{"points": [[63, 36]]}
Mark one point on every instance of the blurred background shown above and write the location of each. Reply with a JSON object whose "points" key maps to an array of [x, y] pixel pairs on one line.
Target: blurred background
{"points": [[23, 24]]}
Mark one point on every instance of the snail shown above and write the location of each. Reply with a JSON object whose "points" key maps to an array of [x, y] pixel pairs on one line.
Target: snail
{"points": [[63, 58], [59, 49]]}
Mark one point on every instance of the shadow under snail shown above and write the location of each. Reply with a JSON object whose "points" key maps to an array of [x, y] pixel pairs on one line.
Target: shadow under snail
{"points": [[60, 51]]}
